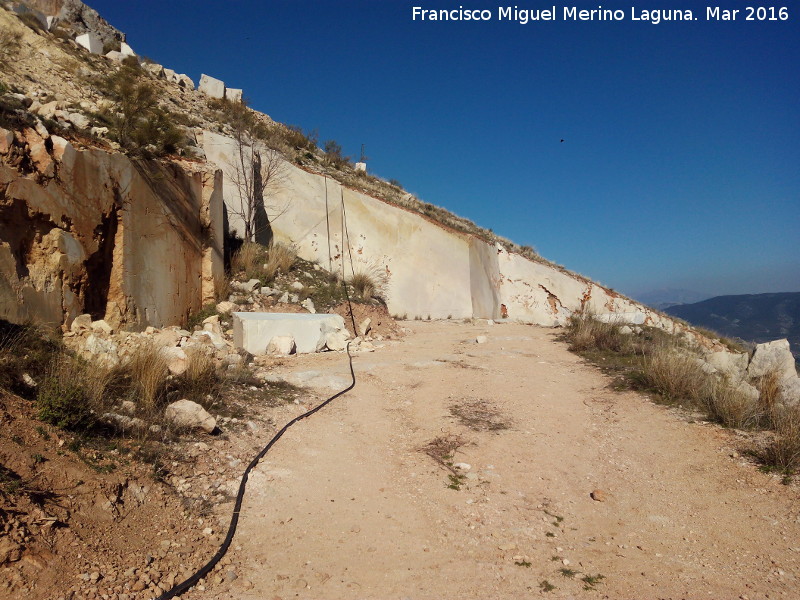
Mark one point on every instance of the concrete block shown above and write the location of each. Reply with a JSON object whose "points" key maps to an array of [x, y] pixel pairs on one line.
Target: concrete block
{"points": [[91, 42], [233, 94], [212, 87], [361, 166], [126, 49], [252, 331]]}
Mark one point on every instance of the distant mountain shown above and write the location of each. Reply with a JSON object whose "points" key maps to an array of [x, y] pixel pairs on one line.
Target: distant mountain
{"points": [[666, 297], [751, 317]]}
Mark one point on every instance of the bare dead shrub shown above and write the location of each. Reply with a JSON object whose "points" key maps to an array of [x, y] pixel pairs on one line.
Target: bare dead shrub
{"points": [[443, 449], [478, 415]]}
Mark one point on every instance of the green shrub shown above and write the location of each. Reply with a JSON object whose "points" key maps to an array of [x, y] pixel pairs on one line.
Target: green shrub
{"points": [[136, 121], [63, 397], [334, 157]]}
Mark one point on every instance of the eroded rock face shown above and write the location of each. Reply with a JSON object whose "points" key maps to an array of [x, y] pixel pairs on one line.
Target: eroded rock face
{"points": [[134, 250], [772, 356]]}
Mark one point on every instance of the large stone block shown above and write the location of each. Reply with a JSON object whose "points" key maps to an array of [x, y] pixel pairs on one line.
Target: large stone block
{"points": [[252, 331], [91, 42], [212, 87], [772, 356]]}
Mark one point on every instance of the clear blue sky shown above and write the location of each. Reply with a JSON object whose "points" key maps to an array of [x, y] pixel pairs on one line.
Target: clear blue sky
{"points": [[681, 160]]}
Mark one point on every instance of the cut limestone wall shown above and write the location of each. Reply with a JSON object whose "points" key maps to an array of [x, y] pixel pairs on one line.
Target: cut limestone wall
{"points": [[91, 231], [431, 271]]}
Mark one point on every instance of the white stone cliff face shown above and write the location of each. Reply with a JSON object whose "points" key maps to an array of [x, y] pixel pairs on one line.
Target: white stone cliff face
{"points": [[431, 271]]}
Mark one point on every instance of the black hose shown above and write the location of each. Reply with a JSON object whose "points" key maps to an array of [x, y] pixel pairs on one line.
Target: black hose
{"points": [[237, 506], [205, 569]]}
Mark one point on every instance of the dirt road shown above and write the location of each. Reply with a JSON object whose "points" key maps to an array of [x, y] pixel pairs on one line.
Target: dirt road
{"points": [[348, 506]]}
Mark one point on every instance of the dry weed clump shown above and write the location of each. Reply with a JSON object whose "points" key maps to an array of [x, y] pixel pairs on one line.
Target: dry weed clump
{"points": [[478, 415], [783, 451], [368, 281], [147, 372], [73, 392], [729, 405], [676, 375], [256, 261], [201, 381], [585, 332], [443, 448]]}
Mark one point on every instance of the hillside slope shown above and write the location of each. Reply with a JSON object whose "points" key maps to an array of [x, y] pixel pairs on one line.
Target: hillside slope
{"points": [[751, 317]]}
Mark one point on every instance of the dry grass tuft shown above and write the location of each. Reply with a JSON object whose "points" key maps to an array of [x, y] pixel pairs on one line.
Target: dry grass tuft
{"points": [[259, 262], [585, 332], [148, 372], [280, 258], [769, 388], [201, 381], [363, 286], [248, 258], [730, 406], [676, 375], [784, 449]]}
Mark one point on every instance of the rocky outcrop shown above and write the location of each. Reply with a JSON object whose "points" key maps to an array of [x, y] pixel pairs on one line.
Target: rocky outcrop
{"points": [[89, 231], [80, 18]]}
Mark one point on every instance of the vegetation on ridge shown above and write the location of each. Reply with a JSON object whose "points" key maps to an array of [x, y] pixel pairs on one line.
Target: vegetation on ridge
{"points": [[674, 373]]}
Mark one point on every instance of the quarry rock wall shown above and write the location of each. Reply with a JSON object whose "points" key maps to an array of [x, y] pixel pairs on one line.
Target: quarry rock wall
{"points": [[89, 231], [430, 271]]}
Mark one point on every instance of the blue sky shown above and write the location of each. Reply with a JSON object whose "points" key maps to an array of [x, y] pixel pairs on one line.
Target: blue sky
{"points": [[681, 160]]}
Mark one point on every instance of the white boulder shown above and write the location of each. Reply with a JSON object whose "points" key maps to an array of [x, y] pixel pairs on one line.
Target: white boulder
{"points": [[282, 345], [176, 359], [186, 414], [772, 356], [211, 87]]}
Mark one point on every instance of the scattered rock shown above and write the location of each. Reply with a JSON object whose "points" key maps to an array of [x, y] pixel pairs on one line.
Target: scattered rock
{"points": [[336, 340], [364, 327], [81, 323], [248, 287], [282, 345], [102, 327], [598, 496], [190, 415], [226, 307], [463, 467], [481, 339], [177, 360], [308, 304]]}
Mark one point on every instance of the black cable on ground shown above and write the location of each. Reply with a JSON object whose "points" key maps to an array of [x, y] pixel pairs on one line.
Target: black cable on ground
{"points": [[237, 506]]}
